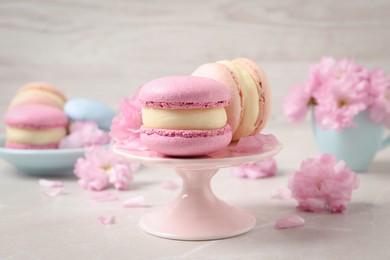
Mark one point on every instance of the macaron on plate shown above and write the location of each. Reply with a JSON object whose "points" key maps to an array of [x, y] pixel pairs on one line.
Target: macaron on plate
{"points": [[41, 161]]}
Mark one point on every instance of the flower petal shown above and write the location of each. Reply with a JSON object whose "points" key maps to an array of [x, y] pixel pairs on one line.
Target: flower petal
{"points": [[105, 196], [170, 185], [256, 170], [134, 202], [84, 134], [50, 184], [107, 220], [54, 193], [289, 222], [255, 143], [280, 193]]}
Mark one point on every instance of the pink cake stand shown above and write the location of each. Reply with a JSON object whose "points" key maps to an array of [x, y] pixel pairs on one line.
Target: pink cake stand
{"points": [[197, 214]]}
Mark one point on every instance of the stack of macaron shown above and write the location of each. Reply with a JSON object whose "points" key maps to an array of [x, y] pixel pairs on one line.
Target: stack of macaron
{"points": [[39, 115], [35, 119], [195, 115]]}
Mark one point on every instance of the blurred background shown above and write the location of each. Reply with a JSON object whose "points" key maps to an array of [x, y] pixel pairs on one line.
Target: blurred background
{"points": [[106, 49]]}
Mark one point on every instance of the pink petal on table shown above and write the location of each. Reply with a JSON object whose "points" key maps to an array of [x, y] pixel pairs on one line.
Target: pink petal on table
{"points": [[105, 196], [54, 193], [170, 185], [107, 220], [50, 184], [289, 222], [255, 143], [280, 193], [134, 202], [134, 166]]}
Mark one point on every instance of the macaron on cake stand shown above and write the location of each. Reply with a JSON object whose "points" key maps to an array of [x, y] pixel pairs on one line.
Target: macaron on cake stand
{"points": [[196, 213]]}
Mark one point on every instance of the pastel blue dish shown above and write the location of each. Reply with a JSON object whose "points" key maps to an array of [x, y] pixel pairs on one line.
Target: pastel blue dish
{"points": [[357, 146], [41, 162], [83, 109]]}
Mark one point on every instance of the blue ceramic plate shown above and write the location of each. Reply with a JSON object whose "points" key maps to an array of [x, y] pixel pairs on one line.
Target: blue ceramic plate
{"points": [[41, 162]]}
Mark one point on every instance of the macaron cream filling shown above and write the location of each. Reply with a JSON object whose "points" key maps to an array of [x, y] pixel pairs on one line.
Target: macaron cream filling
{"points": [[35, 137], [184, 119], [250, 96]]}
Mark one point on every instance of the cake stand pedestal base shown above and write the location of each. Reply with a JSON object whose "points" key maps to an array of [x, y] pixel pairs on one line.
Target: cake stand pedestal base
{"points": [[197, 214]]}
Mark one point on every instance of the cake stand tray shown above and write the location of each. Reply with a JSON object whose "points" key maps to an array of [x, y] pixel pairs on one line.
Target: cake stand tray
{"points": [[196, 213]]}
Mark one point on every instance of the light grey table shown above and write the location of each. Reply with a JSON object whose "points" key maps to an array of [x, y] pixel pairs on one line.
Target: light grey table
{"points": [[33, 226]]}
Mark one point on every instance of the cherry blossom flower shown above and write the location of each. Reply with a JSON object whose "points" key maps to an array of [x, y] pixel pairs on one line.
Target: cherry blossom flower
{"points": [[380, 92], [297, 103], [102, 167], [256, 170], [322, 184], [84, 134], [125, 128], [338, 91]]}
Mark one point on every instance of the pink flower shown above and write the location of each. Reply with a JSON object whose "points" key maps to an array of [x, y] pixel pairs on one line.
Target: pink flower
{"points": [[120, 176], [256, 170], [84, 134], [323, 184], [380, 92], [342, 97], [102, 167], [125, 127], [339, 90], [297, 102]]}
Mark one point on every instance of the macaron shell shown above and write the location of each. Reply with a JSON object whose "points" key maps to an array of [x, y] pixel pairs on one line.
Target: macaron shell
{"points": [[30, 146], [83, 109], [184, 90], [34, 98], [39, 93], [265, 93], [35, 116], [220, 73], [193, 145], [43, 86]]}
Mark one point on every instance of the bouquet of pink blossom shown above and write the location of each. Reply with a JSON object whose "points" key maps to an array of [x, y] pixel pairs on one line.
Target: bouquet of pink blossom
{"points": [[338, 91]]}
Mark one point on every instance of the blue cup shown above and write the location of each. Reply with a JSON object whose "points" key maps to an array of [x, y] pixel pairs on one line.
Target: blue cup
{"points": [[357, 146]]}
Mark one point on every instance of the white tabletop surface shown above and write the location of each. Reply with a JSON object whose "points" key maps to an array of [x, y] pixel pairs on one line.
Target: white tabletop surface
{"points": [[105, 49], [33, 226]]}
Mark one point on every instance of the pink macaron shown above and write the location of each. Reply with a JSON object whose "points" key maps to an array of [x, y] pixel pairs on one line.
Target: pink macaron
{"points": [[35, 126], [251, 99], [185, 115]]}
